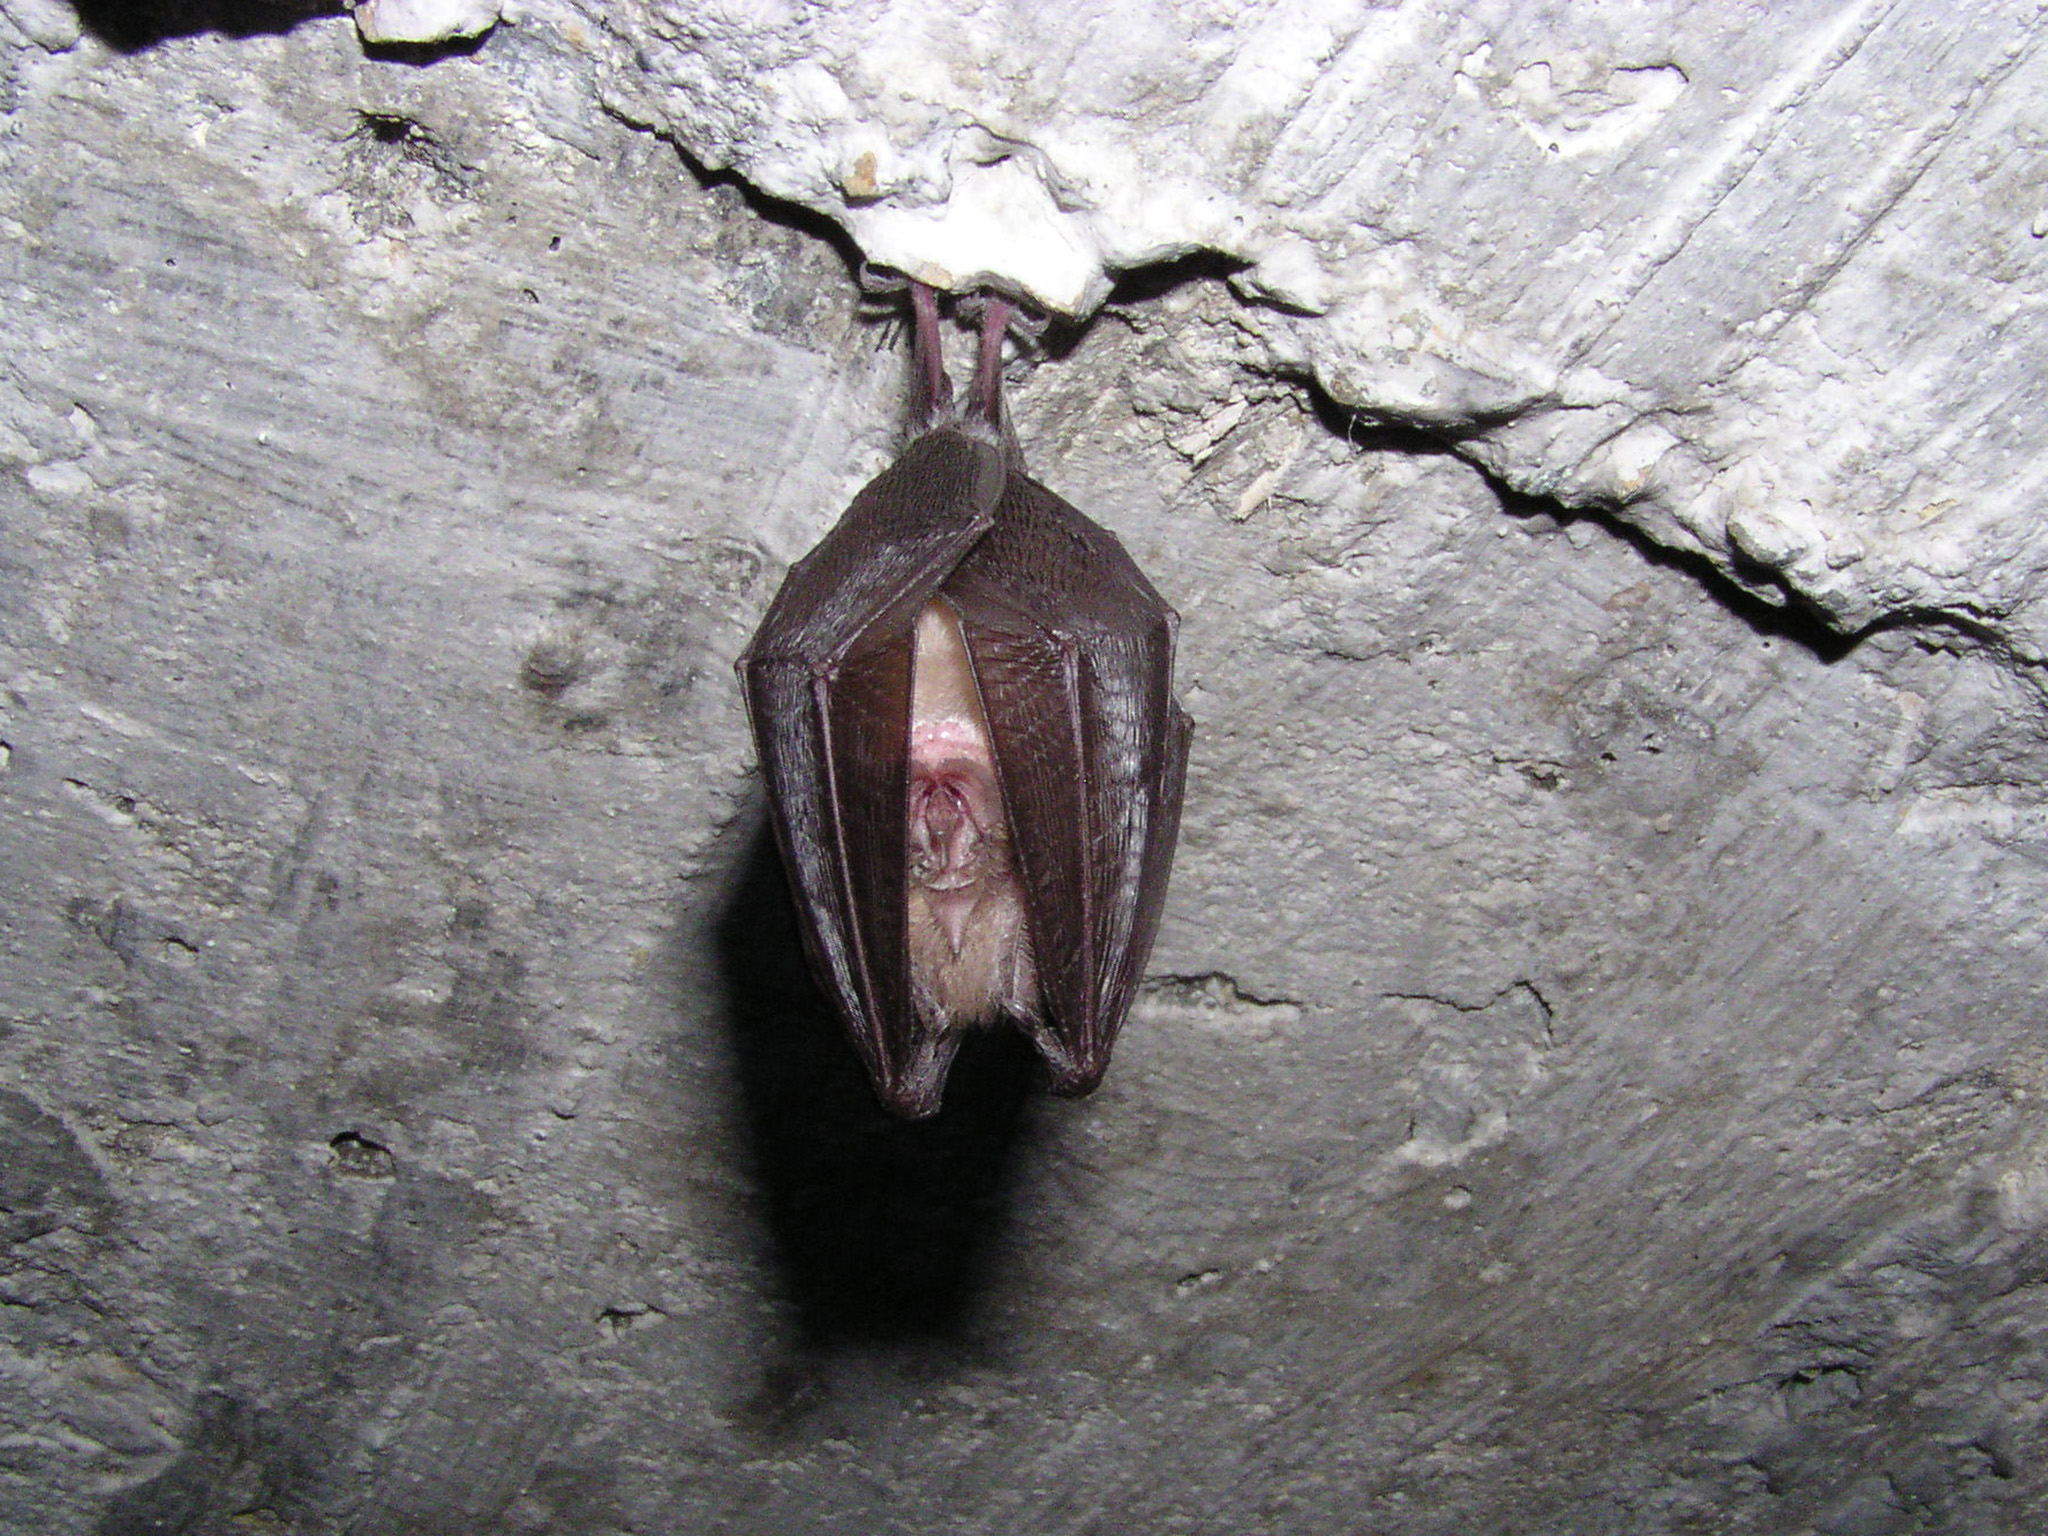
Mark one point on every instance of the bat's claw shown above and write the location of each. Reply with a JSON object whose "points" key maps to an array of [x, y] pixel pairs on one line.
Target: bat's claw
{"points": [[1027, 325], [880, 282]]}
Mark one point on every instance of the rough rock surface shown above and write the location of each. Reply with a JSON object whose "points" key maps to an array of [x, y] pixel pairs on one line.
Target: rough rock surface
{"points": [[1767, 279], [1592, 1077]]}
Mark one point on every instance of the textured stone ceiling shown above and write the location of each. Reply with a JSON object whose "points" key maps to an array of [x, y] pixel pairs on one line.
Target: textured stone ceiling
{"points": [[1590, 1081], [1768, 279]]}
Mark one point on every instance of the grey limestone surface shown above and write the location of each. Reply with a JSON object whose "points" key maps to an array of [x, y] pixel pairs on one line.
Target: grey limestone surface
{"points": [[1592, 1075]]}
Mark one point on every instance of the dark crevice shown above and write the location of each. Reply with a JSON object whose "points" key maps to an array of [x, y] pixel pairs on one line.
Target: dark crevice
{"points": [[1791, 621], [1156, 279], [628, 1316], [390, 127], [1194, 987], [135, 26], [1362, 427], [1442, 1001], [409, 142], [131, 26], [1960, 623], [429, 53], [1740, 586], [357, 1156], [1365, 433]]}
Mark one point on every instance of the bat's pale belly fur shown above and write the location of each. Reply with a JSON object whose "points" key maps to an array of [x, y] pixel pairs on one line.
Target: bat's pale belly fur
{"points": [[970, 948]]}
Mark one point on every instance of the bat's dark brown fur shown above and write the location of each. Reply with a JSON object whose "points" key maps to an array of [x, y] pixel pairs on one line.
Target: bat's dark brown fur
{"points": [[962, 701]]}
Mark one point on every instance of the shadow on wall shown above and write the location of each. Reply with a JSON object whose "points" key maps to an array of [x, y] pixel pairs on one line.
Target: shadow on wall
{"points": [[882, 1228]]}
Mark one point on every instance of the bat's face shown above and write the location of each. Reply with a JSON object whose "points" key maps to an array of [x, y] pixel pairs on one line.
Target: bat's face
{"points": [[970, 941], [974, 760]]}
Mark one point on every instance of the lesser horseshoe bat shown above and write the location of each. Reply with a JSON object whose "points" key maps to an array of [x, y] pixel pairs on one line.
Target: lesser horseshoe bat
{"points": [[962, 700]]}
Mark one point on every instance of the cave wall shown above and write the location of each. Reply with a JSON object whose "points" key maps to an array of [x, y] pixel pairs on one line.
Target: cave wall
{"points": [[1589, 1078]]}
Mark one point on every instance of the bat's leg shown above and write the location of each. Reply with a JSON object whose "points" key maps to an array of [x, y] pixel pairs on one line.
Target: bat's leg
{"points": [[986, 399], [934, 389]]}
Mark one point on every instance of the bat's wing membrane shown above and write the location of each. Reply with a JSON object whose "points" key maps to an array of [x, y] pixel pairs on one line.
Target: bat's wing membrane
{"points": [[828, 684], [1073, 654]]}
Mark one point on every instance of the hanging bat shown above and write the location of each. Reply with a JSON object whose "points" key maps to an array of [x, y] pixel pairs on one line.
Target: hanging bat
{"points": [[962, 700]]}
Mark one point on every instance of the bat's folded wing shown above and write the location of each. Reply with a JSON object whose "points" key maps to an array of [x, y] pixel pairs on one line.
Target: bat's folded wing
{"points": [[1073, 654], [827, 679]]}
